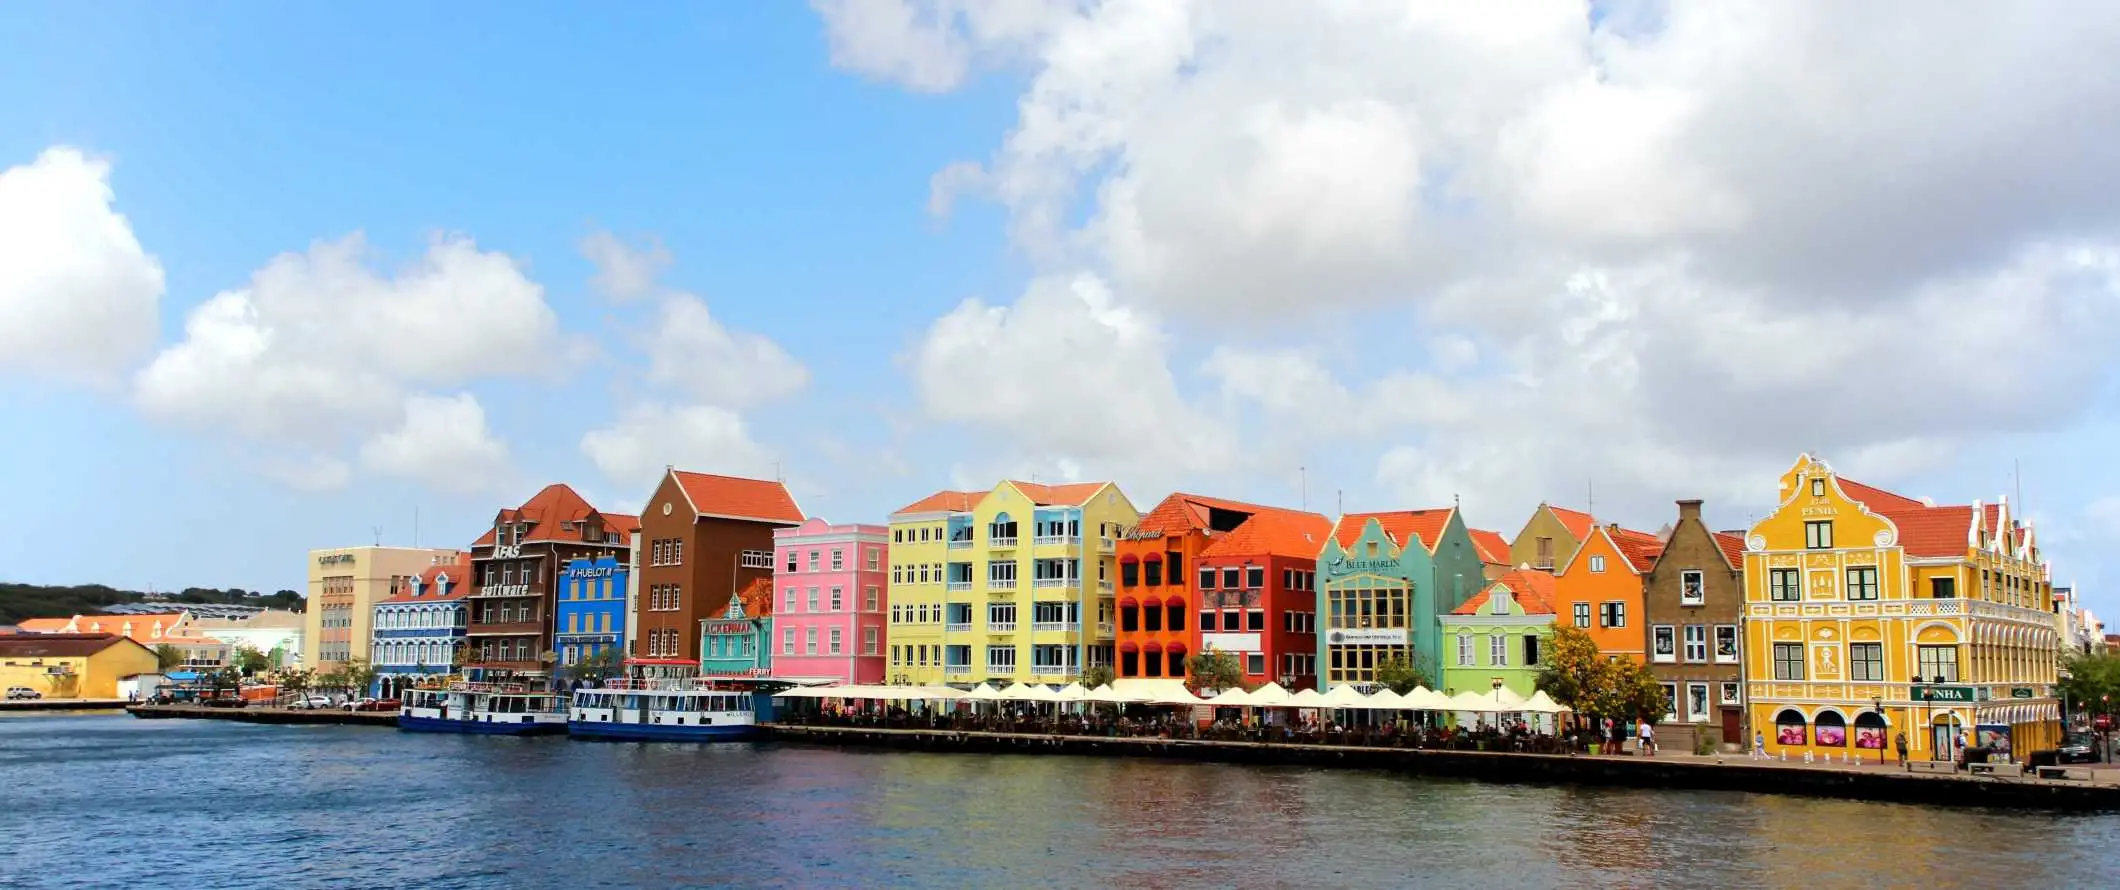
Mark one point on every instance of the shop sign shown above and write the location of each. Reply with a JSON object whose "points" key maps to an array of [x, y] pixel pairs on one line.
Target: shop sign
{"points": [[592, 572], [2023, 692], [509, 551], [332, 559], [1944, 693], [1341, 565], [729, 627], [1367, 637], [505, 590]]}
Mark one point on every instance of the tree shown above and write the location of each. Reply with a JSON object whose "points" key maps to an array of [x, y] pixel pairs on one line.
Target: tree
{"points": [[330, 678], [358, 675], [1574, 670], [1214, 669], [1098, 675], [1631, 690], [167, 656], [2090, 683], [1399, 674], [296, 681], [599, 665], [250, 661]]}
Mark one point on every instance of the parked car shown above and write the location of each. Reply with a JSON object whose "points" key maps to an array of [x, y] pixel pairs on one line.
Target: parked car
{"points": [[223, 702], [22, 693], [376, 704], [2080, 747], [355, 704], [310, 703]]}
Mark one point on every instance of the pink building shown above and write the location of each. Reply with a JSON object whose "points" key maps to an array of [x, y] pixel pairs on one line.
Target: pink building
{"points": [[831, 616]]}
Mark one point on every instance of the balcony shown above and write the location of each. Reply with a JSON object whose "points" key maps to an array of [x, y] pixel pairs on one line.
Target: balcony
{"points": [[1106, 545], [506, 629], [956, 670], [1060, 626], [1000, 543], [961, 544], [1104, 629], [1051, 541], [1054, 582], [957, 627], [1051, 670], [1001, 584], [1008, 628], [956, 586], [1104, 587]]}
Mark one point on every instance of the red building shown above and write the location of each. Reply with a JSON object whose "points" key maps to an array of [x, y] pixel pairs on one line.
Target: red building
{"points": [[1160, 561], [516, 565], [703, 539], [1257, 598]]}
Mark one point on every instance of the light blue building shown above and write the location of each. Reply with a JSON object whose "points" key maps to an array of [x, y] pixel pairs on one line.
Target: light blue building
{"points": [[591, 614], [418, 630]]}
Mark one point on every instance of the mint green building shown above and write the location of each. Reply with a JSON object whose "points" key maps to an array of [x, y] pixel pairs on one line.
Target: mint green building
{"points": [[1500, 637]]}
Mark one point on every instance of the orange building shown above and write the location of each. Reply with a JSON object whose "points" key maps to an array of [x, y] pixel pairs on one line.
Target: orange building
{"points": [[1601, 588], [1158, 563]]}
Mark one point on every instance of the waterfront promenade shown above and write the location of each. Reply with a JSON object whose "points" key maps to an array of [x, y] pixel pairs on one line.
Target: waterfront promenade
{"points": [[328, 716], [65, 704]]}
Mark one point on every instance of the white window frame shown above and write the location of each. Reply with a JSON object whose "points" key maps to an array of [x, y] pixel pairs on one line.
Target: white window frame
{"points": [[1736, 649], [1694, 635], [1698, 715], [1732, 693], [1663, 643], [1692, 588], [1597, 564], [1498, 650], [1464, 650]]}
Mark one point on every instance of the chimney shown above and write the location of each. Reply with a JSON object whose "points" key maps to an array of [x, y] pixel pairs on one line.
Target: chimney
{"points": [[1689, 509]]}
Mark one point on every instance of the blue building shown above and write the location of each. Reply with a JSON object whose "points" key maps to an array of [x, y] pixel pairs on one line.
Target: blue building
{"points": [[418, 629], [736, 641], [591, 613]]}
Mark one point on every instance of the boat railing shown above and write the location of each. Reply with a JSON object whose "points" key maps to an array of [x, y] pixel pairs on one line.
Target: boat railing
{"points": [[466, 686]]}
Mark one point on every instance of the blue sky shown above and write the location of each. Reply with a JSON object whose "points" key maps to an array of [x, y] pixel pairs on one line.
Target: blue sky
{"points": [[1423, 257]]}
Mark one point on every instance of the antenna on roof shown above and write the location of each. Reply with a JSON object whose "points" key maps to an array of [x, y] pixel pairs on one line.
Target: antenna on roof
{"points": [[1303, 486], [1339, 497], [378, 530], [1591, 507], [2017, 474], [776, 471]]}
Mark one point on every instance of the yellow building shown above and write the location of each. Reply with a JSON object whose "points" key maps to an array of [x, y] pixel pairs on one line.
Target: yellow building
{"points": [[344, 586], [1869, 614], [1013, 584], [72, 665]]}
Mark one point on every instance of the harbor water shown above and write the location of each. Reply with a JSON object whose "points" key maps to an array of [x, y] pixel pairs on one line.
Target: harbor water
{"points": [[102, 801]]}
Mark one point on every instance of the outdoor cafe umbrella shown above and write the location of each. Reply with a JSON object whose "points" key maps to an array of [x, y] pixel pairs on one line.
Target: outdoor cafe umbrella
{"points": [[1308, 698], [1234, 697], [1072, 692], [1541, 703], [1271, 695]]}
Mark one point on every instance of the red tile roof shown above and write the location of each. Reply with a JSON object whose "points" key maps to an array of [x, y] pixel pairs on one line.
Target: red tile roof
{"points": [[1183, 512], [624, 525], [762, 500], [1732, 547], [1640, 548], [1577, 522], [142, 627], [1877, 499], [757, 598], [1274, 532], [555, 514], [1400, 525], [1933, 531], [1533, 589], [943, 502], [1071, 494], [459, 583], [1494, 549]]}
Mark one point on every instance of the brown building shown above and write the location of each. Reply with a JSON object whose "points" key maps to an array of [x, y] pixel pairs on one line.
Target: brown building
{"points": [[1693, 599], [515, 570], [703, 538]]}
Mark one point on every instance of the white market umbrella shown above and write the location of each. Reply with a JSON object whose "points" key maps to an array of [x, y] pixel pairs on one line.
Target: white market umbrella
{"points": [[1017, 692], [1541, 703], [1271, 695], [1423, 698], [1506, 699], [1041, 694], [1308, 698], [1105, 695], [940, 693], [1346, 697], [1472, 703], [1072, 692], [1177, 697], [1232, 698], [984, 692]]}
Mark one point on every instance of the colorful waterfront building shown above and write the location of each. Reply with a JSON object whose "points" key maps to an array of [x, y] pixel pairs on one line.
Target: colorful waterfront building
{"points": [[1386, 579], [1499, 638], [1549, 538], [1600, 587], [1257, 596], [1695, 596], [344, 585], [419, 631], [1157, 597], [517, 563], [1012, 584], [73, 665], [831, 617], [705, 537], [739, 641], [1493, 550], [1869, 614], [590, 616]]}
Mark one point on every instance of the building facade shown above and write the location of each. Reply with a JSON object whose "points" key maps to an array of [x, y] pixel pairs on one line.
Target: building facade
{"points": [[1549, 538], [72, 665], [1493, 550], [591, 611], [738, 642], [704, 538], [1155, 632], [1499, 638], [419, 631], [275, 632], [1385, 580], [1695, 599], [1013, 584], [1256, 596], [832, 616], [1868, 614], [344, 586], [1600, 589], [516, 566]]}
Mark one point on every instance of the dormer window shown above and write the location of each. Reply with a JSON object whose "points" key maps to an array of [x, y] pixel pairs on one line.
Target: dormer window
{"points": [[1501, 602], [1818, 488]]}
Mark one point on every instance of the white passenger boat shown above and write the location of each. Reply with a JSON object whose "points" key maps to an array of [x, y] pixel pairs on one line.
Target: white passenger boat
{"points": [[696, 709], [483, 708]]}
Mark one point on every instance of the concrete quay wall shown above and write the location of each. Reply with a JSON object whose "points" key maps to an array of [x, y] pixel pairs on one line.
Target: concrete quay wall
{"points": [[266, 715], [1631, 772]]}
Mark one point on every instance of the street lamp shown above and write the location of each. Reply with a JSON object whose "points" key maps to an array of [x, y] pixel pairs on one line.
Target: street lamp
{"points": [[1878, 703]]}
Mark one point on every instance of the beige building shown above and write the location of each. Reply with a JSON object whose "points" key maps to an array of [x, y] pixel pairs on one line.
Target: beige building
{"points": [[344, 585]]}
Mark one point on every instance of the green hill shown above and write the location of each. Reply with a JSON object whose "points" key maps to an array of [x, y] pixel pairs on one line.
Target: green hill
{"points": [[20, 601]]}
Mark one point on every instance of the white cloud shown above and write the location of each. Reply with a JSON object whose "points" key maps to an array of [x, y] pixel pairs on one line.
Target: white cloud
{"points": [[444, 443], [1657, 252], [692, 352], [929, 46], [322, 352], [646, 438], [78, 295], [624, 272]]}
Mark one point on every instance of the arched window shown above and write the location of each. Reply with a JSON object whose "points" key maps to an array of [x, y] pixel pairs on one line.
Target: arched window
{"points": [[1870, 731], [1832, 730], [1789, 728]]}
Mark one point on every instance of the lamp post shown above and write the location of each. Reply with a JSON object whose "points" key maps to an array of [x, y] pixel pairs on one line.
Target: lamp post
{"points": [[1883, 740]]}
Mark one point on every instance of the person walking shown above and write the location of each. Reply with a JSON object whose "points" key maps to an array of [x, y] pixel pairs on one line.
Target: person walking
{"points": [[1759, 746], [1901, 743], [1645, 738]]}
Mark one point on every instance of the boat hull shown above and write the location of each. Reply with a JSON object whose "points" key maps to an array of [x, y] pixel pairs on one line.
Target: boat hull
{"points": [[478, 727], [654, 732]]}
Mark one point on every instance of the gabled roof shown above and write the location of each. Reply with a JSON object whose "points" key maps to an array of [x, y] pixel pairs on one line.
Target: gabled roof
{"points": [[1273, 532], [1534, 591], [1577, 522], [555, 513], [1181, 512], [1877, 499], [1069, 495], [943, 502], [459, 573], [734, 497], [1640, 548], [1493, 548], [1933, 531], [45, 645], [1399, 525], [756, 599], [621, 524], [1732, 547]]}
